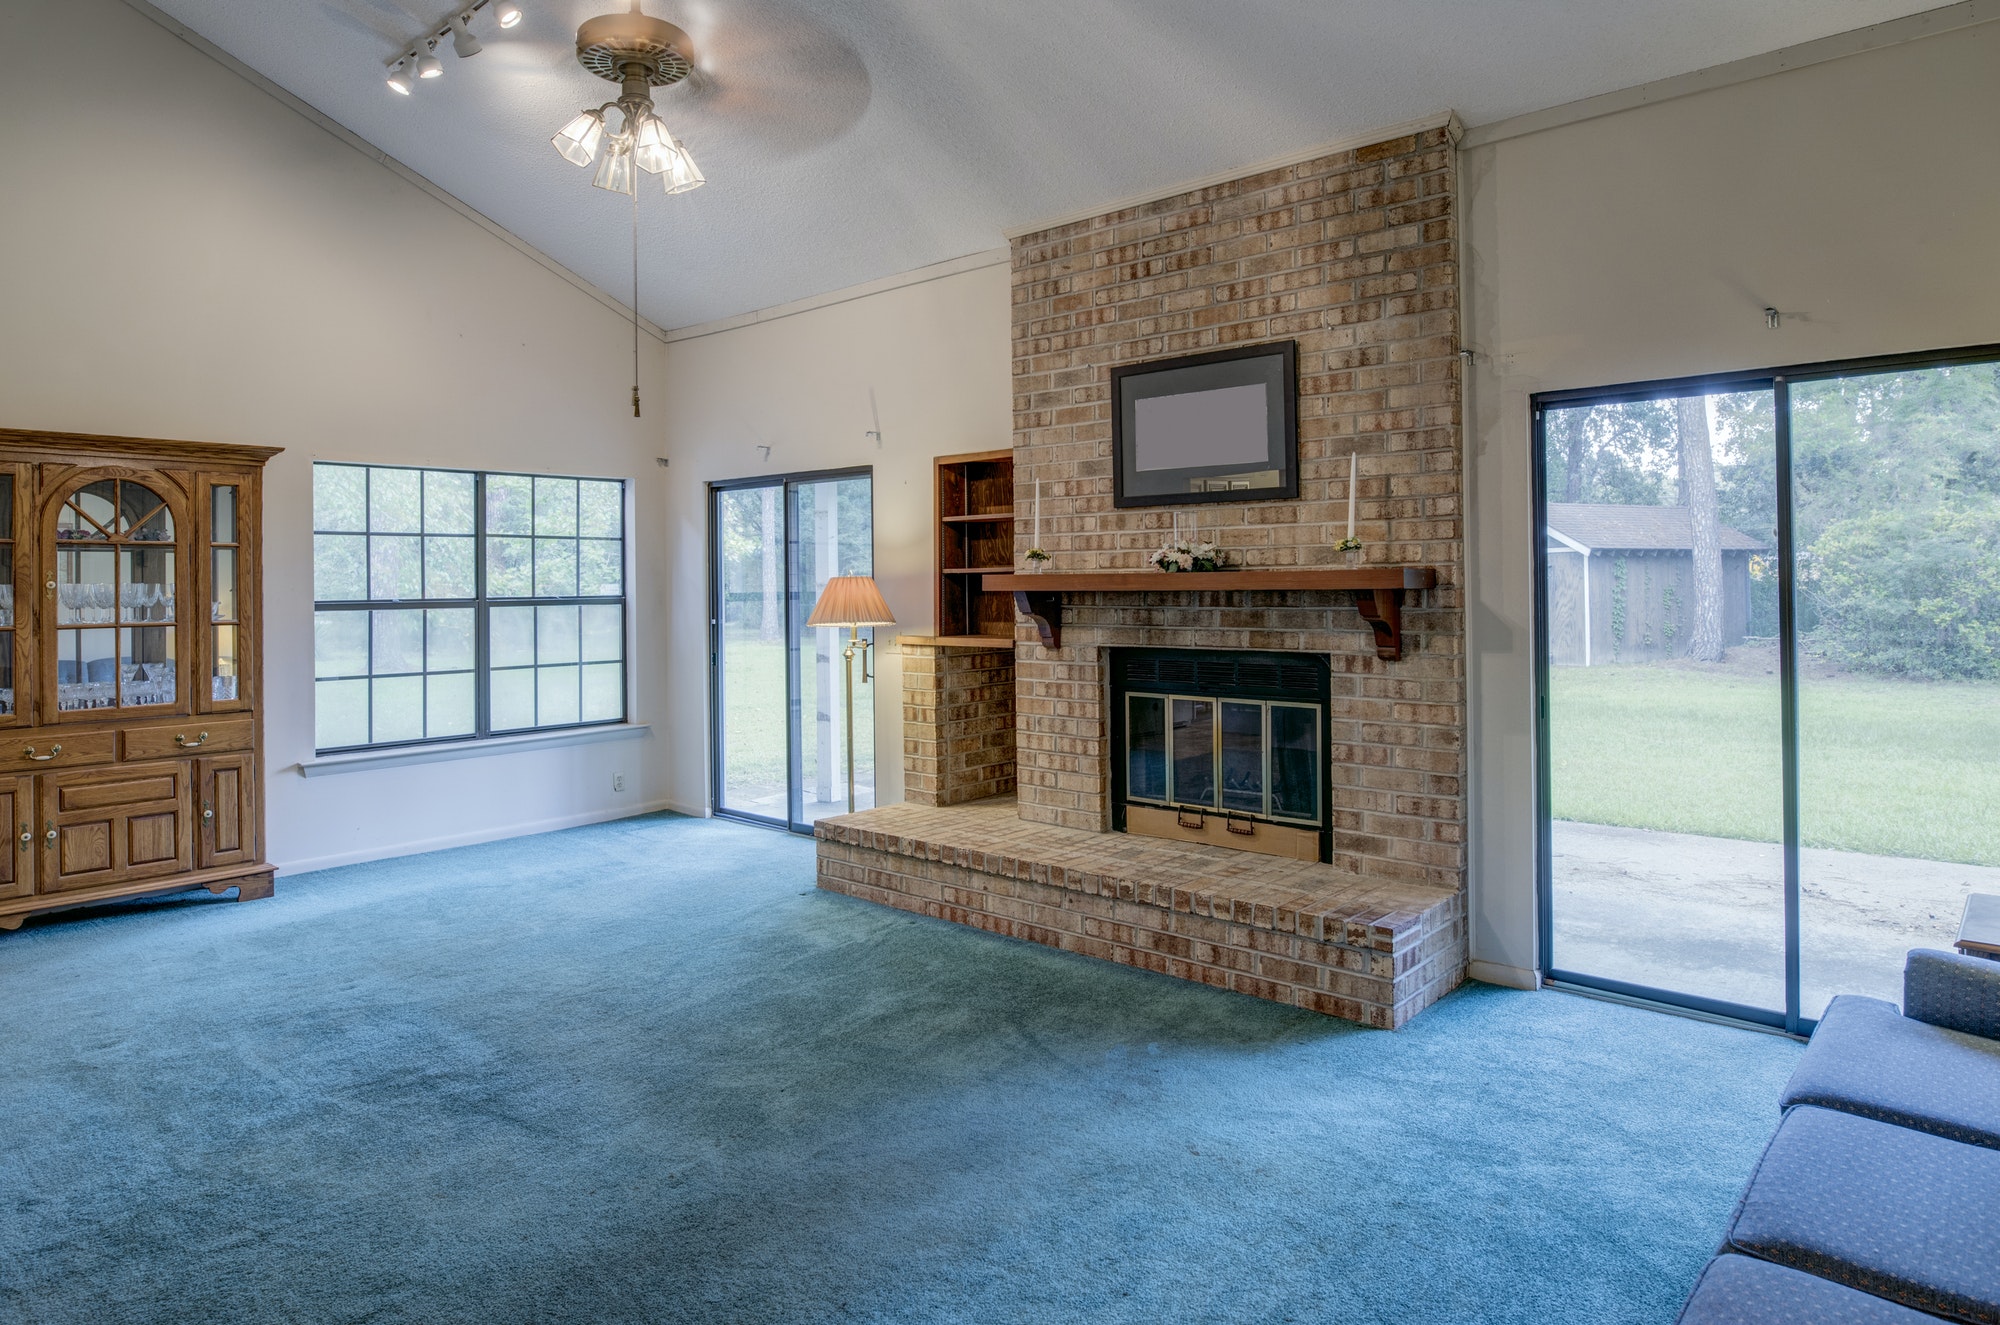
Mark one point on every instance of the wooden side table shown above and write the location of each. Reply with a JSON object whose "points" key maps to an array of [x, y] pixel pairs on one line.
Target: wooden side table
{"points": [[1979, 931]]}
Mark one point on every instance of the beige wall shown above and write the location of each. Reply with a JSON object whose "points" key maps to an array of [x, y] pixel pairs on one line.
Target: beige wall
{"points": [[926, 365], [198, 261], [1860, 197]]}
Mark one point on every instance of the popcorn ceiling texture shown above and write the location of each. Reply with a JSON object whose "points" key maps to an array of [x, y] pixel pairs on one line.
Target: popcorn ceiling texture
{"points": [[1353, 256]]}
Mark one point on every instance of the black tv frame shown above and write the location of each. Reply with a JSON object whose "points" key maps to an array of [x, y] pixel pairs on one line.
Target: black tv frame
{"points": [[1288, 486]]}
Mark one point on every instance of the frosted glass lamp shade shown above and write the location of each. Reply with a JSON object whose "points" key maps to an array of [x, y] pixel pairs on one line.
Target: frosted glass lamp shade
{"points": [[653, 147], [682, 173], [850, 600], [614, 172], [579, 138]]}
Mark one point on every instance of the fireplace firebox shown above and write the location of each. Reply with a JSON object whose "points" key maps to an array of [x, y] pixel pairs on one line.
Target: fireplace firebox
{"points": [[1222, 746]]}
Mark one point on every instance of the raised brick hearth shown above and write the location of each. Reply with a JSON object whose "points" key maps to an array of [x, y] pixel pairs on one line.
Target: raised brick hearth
{"points": [[1308, 935]]}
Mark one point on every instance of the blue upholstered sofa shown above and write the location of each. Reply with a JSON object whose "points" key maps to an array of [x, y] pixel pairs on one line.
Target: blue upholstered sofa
{"points": [[1878, 1200]]}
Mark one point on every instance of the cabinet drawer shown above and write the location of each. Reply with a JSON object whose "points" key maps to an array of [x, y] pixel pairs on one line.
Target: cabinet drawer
{"points": [[51, 747], [196, 735]]}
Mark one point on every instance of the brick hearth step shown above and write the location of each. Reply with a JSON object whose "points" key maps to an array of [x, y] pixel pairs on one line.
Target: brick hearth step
{"points": [[1301, 933]]}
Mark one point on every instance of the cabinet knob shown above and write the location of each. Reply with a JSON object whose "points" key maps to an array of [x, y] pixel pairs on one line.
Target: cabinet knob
{"points": [[207, 813], [29, 753], [27, 835], [180, 739], [51, 834]]}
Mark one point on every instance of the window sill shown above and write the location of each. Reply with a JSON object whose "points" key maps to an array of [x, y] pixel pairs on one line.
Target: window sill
{"points": [[365, 760]]}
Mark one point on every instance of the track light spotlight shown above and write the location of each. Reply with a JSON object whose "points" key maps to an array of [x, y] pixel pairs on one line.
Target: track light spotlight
{"points": [[508, 14], [399, 77], [428, 65], [462, 39]]}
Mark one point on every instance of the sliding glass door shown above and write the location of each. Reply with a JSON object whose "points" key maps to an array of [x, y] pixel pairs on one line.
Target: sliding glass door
{"points": [[779, 736], [1769, 634]]}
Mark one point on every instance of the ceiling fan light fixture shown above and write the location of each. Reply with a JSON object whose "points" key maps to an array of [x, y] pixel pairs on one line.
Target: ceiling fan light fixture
{"points": [[462, 39], [578, 140], [614, 172]]}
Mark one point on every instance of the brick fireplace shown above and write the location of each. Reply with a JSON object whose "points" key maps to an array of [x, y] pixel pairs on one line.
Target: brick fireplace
{"points": [[1353, 256]]}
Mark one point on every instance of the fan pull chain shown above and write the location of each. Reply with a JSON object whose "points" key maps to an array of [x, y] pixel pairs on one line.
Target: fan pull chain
{"points": [[635, 297]]}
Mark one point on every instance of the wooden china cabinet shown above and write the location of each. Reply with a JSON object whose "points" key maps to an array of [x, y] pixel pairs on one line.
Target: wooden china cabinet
{"points": [[131, 728]]}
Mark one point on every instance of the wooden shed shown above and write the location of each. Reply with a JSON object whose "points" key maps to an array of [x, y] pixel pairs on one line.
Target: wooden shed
{"points": [[1621, 583]]}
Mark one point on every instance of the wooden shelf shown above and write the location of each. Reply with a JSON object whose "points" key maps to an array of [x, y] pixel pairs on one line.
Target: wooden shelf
{"points": [[1378, 592], [959, 641], [1157, 581], [975, 539]]}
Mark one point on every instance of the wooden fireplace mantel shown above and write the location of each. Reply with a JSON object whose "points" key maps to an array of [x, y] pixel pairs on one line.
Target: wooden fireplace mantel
{"points": [[1378, 592]]}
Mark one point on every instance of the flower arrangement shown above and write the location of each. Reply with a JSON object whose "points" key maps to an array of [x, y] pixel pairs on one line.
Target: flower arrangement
{"points": [[1349, 544], [1180, 556], [1037, 558]]}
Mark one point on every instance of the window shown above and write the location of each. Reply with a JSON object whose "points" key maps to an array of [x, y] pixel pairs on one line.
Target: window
{"points": [[451, 605]]}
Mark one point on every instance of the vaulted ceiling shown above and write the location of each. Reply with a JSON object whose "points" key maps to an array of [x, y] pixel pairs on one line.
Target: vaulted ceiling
{"points": [[846, 140]]}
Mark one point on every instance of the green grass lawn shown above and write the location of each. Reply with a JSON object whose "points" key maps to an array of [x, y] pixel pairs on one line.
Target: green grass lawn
{"points": [[753, 707], [1895, 768]]}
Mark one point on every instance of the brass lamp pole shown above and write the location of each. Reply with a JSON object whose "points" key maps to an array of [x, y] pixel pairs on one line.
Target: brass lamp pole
{"points": [[852, 601]]}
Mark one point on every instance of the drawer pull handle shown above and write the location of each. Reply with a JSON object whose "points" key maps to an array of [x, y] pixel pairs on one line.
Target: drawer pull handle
{"points": [[180, 739], [1241, 827], [29, 753], [1181, 818]]}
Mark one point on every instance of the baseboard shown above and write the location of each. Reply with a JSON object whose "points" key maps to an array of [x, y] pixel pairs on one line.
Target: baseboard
{"points": [[1495, 973], [691, 811], [474, 838]]}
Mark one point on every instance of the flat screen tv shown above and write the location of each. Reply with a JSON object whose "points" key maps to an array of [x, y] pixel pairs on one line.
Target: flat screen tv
{"points": [[1221, 426]]}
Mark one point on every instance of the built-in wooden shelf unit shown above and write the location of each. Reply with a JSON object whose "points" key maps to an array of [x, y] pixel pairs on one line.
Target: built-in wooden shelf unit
{"points": [[975, 537]]}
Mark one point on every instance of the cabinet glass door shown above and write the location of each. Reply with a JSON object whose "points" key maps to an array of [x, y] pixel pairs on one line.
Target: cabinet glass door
{"points": [[115, 602], [8, 489], [225, 569]]}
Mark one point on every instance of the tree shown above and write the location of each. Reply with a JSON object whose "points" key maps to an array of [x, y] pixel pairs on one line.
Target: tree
{"points": [[1697, 480]]}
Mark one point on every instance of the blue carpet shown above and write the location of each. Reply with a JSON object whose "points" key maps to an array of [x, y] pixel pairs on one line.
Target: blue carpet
{"points": [[640, 1071]]}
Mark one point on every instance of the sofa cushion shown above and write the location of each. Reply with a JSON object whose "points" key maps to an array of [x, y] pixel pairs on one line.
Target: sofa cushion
{"points": [[1952, 990], [1867, 1058], [1904, 1215], [1739, 1290]]}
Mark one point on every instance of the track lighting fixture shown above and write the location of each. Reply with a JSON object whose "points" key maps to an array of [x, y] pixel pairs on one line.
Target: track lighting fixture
{"points": [[421, 62]]}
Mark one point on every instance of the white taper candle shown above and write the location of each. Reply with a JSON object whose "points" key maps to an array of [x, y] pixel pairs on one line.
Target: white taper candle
{"points": [[1353, 467]]}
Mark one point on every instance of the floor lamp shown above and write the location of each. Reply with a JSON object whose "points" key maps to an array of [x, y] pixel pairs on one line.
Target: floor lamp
{"points": [[852, 601]]}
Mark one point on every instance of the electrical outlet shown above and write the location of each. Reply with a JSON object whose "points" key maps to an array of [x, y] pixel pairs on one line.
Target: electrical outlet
{"points": [[618, 782]]}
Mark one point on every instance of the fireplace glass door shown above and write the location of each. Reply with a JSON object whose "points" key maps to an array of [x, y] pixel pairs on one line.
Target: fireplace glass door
{"points": [[1232, 756]]}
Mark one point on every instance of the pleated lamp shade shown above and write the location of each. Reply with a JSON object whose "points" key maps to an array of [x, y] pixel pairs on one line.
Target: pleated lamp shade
{"points": [[850, 600]]}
